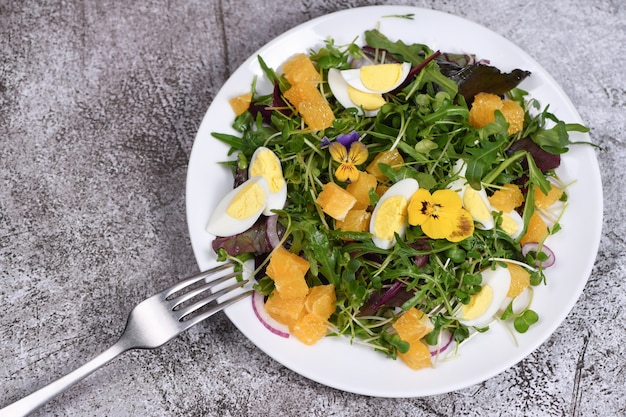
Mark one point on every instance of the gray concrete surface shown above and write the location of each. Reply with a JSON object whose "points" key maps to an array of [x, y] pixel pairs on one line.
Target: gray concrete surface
{"points": [[99, 105]]}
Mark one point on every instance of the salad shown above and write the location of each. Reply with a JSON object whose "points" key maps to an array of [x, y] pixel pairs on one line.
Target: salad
{"points": [[399, 196]]}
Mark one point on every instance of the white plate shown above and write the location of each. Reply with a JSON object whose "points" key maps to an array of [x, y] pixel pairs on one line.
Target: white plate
{"points": [[333, 361]]}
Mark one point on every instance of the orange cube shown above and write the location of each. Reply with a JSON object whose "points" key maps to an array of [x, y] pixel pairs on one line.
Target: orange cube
{"points": [[392, 158], [537, 230], [413, 325], [310, 328], [317, 115], [311, 105], [520, 279], [288, 271], [484, 107], [321, 301], [507, 198], [240, 103], [543, 201], [300, 69], [335, 201], [303, 93], [284, 310], [418, 355], [381, 189], [355, 221], [360, 189], [514, 115]]}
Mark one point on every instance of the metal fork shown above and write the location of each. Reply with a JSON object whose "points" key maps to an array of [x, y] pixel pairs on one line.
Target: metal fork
{"points": [[150, 324]]}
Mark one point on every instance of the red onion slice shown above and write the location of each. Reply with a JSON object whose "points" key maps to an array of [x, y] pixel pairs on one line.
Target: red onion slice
{"points": [[258, 305], [534, 247], [445, 341]]}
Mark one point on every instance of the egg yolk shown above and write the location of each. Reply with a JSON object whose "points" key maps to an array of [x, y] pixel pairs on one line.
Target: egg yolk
{"points": [[266, 165], [509, 225], [475, 205], [369, 101], [478, 303], [247, 202], [381, 77], [390, 217]]}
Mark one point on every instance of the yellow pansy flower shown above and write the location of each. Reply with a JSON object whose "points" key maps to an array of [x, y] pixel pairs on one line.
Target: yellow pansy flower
{"points": [[441, 215], [349, 152]]}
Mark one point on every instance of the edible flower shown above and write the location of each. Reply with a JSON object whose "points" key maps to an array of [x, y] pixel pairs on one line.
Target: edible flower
{"points": [[349, 152], [441, 215]]}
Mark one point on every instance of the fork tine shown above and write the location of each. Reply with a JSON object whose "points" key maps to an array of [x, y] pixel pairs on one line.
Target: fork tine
{"points": [[210, 298], [194, 278], [215, 309], [175, 302]]}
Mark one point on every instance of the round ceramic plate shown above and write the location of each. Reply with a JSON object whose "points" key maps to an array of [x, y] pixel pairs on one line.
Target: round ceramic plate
{"points": [[350, 367]]}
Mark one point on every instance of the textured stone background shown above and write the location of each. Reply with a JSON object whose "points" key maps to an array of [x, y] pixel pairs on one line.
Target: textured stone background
{"points": [[99, 105]]}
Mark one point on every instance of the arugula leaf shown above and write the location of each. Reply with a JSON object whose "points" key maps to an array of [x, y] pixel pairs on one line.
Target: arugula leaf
{"points": [[323, 253], [481, 159]]}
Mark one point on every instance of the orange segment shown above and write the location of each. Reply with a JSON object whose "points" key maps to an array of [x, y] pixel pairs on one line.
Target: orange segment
{"points": [[514, 114], [286, 311], [335, 201], [506, 199], [381, 189], [321, 301], [520, 280], [392, 158], [483, 112], [308, 101], [360, 189], [413, 325], [418, 355], [355, 221], [240, 103], [317, 115], [543, 201], [304, 94], [537, 230], [309, 329], [483, 108], [300, 69], [288, 270]]}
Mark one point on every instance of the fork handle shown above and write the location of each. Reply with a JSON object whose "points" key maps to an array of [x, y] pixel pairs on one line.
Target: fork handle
{"points": [[38, 398]]}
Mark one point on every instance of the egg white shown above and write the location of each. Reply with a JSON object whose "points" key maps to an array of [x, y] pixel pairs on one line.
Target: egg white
{"points": [[520, 302], [519, 221], [499, 279], [404, 188], [275, 199], [222, 224], [487, 223], [339, 88]]}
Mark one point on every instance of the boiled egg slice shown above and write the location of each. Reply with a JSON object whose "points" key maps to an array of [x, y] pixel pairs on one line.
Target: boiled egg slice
{"points": [[484, 305], [366, 103], [378, 78], [474, 201], [512, 224], [240, 208], [390, 214], [264, 163]]}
